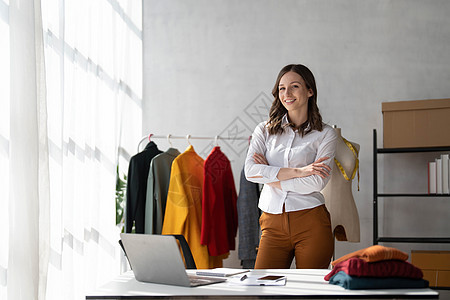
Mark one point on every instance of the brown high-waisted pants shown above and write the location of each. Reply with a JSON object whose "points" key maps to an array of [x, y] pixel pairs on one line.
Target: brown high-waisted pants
{"points": [[304, 233]]}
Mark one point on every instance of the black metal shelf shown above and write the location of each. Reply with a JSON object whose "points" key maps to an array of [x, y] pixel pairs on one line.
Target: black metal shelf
{"points": [[413, 240], [413, 195], [412, 150], [376, 195]]}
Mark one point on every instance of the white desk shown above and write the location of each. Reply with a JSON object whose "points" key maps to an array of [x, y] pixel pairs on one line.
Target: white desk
{"points": [[301, 284]]}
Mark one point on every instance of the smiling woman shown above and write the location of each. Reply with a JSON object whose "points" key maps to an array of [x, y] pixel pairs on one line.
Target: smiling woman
{"points": [[294, 95], [291, 155], [301, 80]]}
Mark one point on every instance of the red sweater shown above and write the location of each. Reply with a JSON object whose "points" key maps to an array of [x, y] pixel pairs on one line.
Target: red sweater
{"points": [[386, 268], [219, 213]]}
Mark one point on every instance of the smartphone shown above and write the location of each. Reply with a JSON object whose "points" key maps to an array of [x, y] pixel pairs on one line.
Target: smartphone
{"points": [[270, 278]]}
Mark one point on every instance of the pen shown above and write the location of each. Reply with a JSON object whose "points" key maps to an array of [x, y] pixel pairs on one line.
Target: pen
{"points": [[243, 277]]}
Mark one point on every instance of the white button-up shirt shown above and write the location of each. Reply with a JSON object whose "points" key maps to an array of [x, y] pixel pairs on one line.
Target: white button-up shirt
{"points": [[289, 150]]}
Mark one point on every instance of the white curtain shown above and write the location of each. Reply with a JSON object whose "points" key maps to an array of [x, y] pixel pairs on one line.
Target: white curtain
{"points": [[70, 119], [28, 155], [4, 143]]}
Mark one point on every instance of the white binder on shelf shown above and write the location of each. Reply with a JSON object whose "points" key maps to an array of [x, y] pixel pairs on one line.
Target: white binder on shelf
{"points": [[445, 173], [432, 177], [438, 176]]}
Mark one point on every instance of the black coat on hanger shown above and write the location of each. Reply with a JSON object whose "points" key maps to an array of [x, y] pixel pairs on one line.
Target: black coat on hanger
{"points": [[137, 187]]}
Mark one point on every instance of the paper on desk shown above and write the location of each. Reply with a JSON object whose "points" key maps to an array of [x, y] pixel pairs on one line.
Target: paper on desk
{"points": [[253, 280], [221, 272]]}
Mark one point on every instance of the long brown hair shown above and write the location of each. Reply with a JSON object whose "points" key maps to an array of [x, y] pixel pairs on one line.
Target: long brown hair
{"points": [[277, 111]]}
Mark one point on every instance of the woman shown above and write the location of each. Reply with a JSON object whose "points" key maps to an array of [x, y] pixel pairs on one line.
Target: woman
{"points": [[292, 155]]}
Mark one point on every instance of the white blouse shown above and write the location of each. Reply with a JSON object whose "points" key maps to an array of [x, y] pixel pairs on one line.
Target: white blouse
{"points": [[289, 150]]}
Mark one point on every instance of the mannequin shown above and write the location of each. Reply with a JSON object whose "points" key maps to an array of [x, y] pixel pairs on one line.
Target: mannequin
{"points": [[338, 192]]}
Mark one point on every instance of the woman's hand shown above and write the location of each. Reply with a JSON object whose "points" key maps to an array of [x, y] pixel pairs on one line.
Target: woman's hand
{"points": [[316, 168], [260, 159]]}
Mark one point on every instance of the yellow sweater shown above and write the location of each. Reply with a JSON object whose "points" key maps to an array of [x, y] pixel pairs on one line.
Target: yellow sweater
{"points": [[183, 213]]}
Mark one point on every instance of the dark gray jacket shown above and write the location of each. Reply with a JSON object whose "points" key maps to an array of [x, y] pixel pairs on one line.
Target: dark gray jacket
{"points": [[248, 220]]}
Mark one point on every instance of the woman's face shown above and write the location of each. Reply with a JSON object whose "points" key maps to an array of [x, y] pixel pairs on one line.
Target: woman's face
{"points": [[293, 93]]}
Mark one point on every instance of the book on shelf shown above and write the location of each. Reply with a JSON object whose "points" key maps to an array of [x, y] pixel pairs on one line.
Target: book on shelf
{"points": [[445, 173], [438, 176], [432, 177]]}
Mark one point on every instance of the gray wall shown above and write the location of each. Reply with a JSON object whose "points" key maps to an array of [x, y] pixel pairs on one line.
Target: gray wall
{"points": [[210, 65]]}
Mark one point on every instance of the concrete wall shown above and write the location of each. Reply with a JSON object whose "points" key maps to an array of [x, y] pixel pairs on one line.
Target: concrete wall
{"points": [[210, 65]]}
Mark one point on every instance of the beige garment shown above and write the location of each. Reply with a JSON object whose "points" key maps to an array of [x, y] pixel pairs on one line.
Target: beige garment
{"points": [[338, 194]]}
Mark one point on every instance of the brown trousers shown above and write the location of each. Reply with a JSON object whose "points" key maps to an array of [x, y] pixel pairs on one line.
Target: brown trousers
{"points": [[305, 234]]}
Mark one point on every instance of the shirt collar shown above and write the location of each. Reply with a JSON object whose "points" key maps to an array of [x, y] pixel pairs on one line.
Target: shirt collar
{"points": [[173, 152], [151, 145], [285, 122], [189, 148]]}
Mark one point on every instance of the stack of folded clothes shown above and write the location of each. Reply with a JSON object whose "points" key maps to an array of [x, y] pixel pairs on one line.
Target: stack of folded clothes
{"points": [[376, 267]]}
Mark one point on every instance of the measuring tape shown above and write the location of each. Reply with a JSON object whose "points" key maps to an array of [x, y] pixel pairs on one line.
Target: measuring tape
{"points": [[356, 169]]}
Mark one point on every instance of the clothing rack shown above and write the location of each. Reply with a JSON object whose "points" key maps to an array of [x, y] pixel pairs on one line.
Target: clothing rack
{"points": [[189, 137]]}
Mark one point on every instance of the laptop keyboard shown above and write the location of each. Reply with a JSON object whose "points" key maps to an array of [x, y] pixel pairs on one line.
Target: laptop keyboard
{"points": [[201, 280], [196, 280]]}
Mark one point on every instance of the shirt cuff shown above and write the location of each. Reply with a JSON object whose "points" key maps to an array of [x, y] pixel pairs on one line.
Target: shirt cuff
{"points": [[270, 173], [287, 185]]}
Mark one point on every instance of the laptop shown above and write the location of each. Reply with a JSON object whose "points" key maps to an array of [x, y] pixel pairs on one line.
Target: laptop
{"points": [[157, 259]]}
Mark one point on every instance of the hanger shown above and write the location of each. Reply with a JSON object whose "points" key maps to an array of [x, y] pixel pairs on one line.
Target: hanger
{"points": [[150, 136], [187, 138], [168, 139], [216, 140]]}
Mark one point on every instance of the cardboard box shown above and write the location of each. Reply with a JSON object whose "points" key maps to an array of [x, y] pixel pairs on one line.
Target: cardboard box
{"points": [[419, 123], [443, 279], [437, 278], [435, 266], [431, 260], [431, 276]]}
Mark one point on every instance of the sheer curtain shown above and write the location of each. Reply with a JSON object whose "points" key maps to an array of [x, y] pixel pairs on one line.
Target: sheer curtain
{"points": [[4, 143], [28, 156], [73, 113]]}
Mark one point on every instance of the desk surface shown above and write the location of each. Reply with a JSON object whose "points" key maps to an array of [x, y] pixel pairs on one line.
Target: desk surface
{"points": [[301, 283]]}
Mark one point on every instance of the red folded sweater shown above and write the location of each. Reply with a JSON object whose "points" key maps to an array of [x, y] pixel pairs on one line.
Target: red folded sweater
{"points": [[386, 268]]}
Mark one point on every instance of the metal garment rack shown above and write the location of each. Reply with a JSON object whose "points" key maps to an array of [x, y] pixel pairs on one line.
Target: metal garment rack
{"points": [[376, 195], [189, 137]]}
